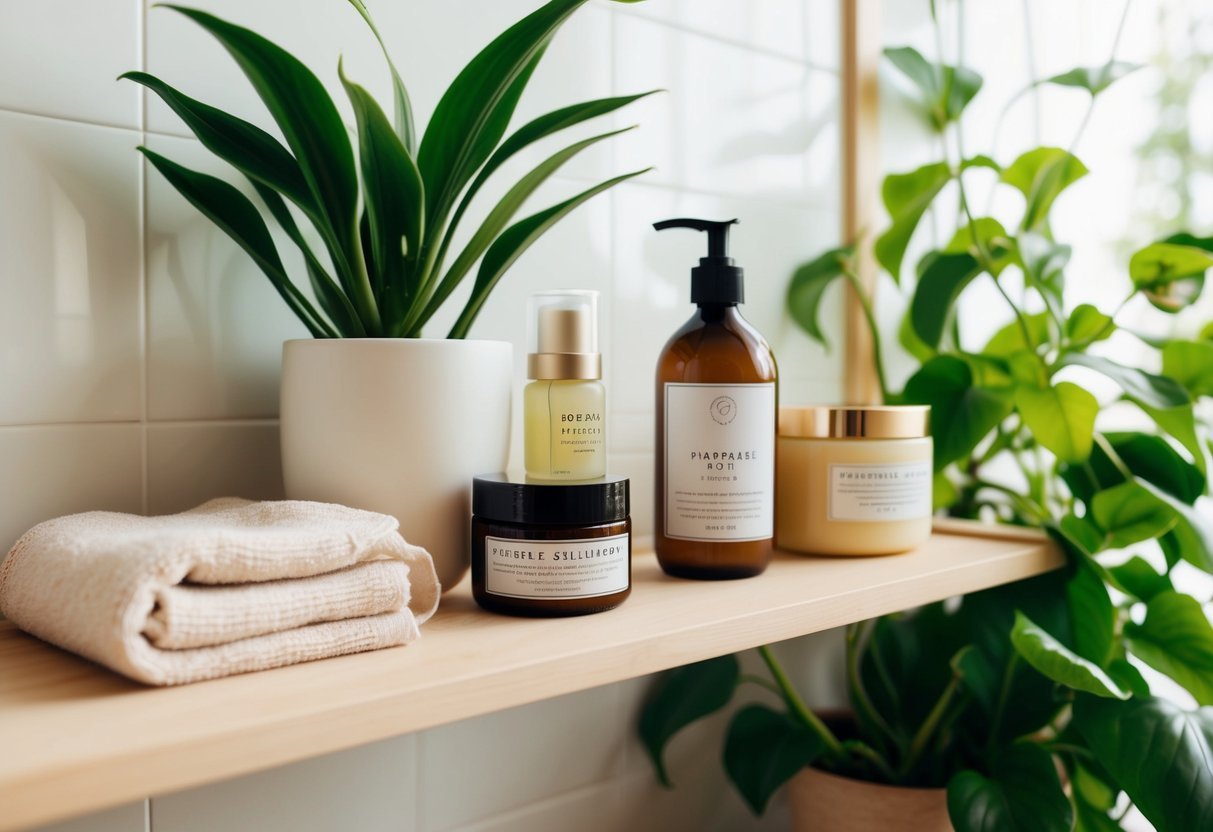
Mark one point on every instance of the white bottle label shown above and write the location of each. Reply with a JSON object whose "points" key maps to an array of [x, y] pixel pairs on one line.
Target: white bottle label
{"points": [[719, 461], [900, 491], [557, 569]]}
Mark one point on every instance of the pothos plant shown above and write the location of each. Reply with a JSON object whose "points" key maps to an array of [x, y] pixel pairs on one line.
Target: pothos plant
{"points": [[386, 208], [1000, 695]]}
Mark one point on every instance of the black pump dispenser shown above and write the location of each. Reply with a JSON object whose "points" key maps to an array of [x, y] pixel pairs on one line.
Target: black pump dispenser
{"points": [[716, 280]]}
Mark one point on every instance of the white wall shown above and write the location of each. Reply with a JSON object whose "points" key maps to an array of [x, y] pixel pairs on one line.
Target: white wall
{"points": [[139, 349]]}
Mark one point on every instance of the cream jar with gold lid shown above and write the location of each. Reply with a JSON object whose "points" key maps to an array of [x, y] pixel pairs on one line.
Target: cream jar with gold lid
{"points": [[853, 480]]}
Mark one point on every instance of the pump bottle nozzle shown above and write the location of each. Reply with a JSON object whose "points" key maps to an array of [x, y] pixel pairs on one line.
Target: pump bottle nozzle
{"points": [[716, 280], [718, 232]]}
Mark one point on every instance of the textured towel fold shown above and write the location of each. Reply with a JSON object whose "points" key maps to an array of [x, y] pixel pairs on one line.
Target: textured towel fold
{"points": [[228, 587]]}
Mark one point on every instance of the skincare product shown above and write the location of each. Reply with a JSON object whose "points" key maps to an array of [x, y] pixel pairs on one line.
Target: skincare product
{"points": [[716, 401], [550, 549], [564, 407], [854, 480]]}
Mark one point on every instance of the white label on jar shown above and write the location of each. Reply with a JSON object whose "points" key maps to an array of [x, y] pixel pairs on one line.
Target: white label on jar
{"points": [[556, 569], [898, 491], [720, 461]]}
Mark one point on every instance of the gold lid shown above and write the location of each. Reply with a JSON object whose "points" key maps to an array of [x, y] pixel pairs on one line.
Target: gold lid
{"points": [[557, 366], [856, 421], [566, 345]]}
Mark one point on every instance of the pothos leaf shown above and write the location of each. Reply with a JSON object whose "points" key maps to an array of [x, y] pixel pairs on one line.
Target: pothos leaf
{"points": [[808, 286]]}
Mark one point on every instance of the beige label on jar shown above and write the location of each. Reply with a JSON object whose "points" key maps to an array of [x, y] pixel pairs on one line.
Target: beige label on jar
{"points": [[882, 491], [556, 569], [719, 461]]}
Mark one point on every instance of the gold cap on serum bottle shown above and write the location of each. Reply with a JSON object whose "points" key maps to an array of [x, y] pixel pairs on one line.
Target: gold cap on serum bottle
{"points": [[564, 333]]}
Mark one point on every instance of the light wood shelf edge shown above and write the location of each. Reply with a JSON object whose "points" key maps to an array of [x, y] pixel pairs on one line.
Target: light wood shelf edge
{"points": [[77, 738]]}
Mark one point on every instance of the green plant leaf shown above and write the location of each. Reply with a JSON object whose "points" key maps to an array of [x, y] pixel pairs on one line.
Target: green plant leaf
{"points": [[1092, 614], [1128, 514], [909, 340], [476, 108], [531, 132], [1044, 262], [395, 202], [944, 91], [497, 219], [236, 216], [1153, 390], [403, 117], [539, 128], [1093, 79], [1176, 638], [962, 411], [907, 663], [1061, 417], [1180, 424], [1059, 663], [272, 171], [515, 240], [1170, 275], [986, 620], [682, 696], [1158, 753], [906, 197], [1094, 796], [1009, 340], [1081, 532], [1086, 325], [1041, 175], [328, 294], [553, 122], [1128, 677], [763, 750], [1193, 531], [1023, 795], [1138, 578], [313, 129], [248, 148], [1154, 459], [1181, 292], [991, 236], [941, 280], [1191, 364], [944, 493], [809, 283]]}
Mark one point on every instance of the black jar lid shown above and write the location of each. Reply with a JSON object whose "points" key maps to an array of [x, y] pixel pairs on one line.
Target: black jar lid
{"points": [[584, 503]]}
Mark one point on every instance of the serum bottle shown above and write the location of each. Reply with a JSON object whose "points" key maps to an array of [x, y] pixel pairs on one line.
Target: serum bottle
{"points": [[564, 407], [716, 426]]}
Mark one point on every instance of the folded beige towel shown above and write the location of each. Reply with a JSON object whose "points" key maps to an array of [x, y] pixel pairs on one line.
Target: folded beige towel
{"points": [[229, 587]]}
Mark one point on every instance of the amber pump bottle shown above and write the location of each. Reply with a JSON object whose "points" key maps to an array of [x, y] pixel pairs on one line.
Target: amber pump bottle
{"points": [[716, 423]]}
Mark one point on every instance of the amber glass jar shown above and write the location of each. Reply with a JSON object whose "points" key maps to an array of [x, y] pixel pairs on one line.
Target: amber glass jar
{"points": [[550, 549]]}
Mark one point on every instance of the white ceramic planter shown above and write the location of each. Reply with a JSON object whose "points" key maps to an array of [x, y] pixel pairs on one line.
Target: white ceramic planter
{"points": [[398, 426]]}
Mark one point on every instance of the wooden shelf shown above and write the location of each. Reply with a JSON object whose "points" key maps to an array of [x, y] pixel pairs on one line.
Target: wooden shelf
{"points": [[76, 738]]}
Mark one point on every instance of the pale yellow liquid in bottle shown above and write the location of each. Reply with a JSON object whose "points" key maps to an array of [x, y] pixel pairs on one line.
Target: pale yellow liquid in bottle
{"points": [[565, 429]]}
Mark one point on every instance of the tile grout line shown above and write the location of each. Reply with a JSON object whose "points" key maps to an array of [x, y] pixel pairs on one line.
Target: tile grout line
{"points": [[9, 111], [144, 294]]}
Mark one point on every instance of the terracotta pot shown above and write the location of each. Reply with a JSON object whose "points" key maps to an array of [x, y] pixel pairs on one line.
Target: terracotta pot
{"points": [[399, 426], [824, 802]]}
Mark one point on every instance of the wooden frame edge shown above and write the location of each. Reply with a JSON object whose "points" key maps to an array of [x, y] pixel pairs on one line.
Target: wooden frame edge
{"points": [[861, 49]]}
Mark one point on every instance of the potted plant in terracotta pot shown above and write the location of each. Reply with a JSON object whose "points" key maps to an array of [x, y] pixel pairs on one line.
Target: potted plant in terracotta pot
{"points": [[1022, 707], [372, 414]]}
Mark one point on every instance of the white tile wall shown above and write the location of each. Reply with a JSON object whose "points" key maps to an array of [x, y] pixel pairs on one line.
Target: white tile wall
{"points": [[370, 789], [139, 349], [129, 818]]}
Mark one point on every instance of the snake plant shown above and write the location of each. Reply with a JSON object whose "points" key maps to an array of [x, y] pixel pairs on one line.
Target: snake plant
{"points": [[386, 206]]}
